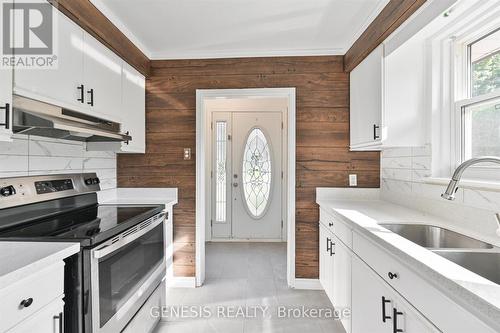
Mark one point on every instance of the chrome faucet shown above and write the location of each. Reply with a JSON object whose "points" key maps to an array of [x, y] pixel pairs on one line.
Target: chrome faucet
{"points": [[453, 186]]}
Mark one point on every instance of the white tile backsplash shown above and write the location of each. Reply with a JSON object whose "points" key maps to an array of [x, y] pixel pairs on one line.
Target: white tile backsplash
{"points": [[403, 173], [31, 156]]}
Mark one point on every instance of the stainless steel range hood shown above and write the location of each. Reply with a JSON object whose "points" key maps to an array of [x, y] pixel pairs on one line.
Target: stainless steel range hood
{"points": [[33, 117]]}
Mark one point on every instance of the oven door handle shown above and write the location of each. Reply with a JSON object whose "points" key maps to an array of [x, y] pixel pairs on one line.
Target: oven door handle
{"points": [[110, 248]]}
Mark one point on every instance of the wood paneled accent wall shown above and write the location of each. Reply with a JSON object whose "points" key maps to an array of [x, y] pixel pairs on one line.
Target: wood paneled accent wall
{"points": [[87, 16], [323, 157], [389, 19]]}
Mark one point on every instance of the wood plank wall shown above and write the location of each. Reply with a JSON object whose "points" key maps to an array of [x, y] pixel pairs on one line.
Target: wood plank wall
{"points": [[323, 157], [395, 13], [89, 18]]}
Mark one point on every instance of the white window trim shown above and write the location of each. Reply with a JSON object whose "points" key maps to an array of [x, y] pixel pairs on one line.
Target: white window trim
{"points": [[449, 61]]}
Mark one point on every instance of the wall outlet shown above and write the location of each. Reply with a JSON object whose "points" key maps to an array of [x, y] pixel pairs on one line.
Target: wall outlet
{"points": [[353, 180]]}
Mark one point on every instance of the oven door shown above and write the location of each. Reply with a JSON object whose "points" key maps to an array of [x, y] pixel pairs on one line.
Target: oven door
{"points": [[124, 273]]}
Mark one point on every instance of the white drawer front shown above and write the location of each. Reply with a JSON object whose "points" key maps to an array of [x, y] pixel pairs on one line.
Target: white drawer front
{"points": [[443, 312], [47, 320], [337, 227], [38, 289]]}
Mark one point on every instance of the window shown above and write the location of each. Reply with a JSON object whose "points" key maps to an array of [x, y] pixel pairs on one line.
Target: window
{"points": [[256, 173], [484, 57], [221, 171], [480, 110]]}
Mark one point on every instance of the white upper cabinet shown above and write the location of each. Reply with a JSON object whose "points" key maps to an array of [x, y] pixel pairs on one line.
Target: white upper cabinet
{"points": [[102, 79], [134, 109], [5, 104], [62, 85], [387, 98], [87, 79], [366, 93]]}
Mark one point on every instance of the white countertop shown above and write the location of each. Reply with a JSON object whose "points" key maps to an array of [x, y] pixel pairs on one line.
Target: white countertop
{"points": [[138, 196], [20, 259], [364, 211]]}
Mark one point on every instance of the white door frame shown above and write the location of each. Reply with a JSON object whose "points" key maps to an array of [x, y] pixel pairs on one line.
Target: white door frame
{"points": [[203, 142]]}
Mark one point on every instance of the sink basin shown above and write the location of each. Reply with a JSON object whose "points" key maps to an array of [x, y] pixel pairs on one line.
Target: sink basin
{"points": [[434, 237], [485, 264]]}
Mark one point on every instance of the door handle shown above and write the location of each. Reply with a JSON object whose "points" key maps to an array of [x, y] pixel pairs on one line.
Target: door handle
{"points": [[91, 93], [7, 115], [395, 314], [81, 88], [384, 315]]}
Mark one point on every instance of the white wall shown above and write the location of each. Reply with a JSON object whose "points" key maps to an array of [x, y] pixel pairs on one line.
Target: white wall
{"points": [[403, 173], [30, 156]]}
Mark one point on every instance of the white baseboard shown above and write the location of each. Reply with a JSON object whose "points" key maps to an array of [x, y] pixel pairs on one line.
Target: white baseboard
{"points": [[308, 284], [181, 282]]}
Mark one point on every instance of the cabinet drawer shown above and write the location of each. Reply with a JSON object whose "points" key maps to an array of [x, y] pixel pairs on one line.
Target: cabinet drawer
{"points": [[47, 320], [38, 289], [443, 312], [336, 226]]}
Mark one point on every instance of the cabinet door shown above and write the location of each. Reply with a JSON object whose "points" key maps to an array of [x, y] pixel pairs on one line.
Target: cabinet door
{"points": [[58, 86], [342, 280], [47, 320], [322, 257], [407, 319], [5, 104], [371, 301], [102, 71], [134, 109], [366, 93]]}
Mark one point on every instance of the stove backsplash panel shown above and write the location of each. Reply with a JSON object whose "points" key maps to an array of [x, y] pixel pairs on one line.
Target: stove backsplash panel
{"points": [[32, 155]]}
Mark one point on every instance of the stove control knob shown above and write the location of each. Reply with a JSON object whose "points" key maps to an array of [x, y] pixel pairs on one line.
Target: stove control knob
{"points": [[88, 181], [96, 181], [7, 191]]}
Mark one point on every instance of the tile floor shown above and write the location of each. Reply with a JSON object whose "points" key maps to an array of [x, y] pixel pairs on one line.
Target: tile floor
{"points": [[249, 277]]}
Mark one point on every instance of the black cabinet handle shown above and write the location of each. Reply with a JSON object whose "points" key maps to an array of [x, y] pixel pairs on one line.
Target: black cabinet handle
{"points": [[328, 244], [375, 128], [332, 252], [60, 318], [384, 315], [7, 115], [91, 93], [81, 88], [395, 314], [330, 224], [26, 302], [127, 142], [392, 275]]}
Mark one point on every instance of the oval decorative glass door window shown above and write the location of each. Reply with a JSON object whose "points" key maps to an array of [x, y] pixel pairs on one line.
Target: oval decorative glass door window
{"points": [[257, 173]]}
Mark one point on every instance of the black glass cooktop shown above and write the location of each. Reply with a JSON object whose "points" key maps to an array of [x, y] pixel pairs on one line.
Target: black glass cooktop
{"points": [[89, 225]]}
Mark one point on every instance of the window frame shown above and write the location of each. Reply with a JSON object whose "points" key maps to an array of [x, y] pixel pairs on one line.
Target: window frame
{"points": [[461, 72]]}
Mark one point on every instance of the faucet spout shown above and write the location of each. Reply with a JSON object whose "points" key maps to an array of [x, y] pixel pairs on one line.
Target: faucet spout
{"points": [[452, 188]]}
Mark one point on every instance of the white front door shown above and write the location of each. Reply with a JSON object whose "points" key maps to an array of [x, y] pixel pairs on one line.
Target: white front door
{"points": [[247, 177]]}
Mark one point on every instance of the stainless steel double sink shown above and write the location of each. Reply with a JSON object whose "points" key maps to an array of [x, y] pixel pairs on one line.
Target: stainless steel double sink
{"points": [[475, 255]]}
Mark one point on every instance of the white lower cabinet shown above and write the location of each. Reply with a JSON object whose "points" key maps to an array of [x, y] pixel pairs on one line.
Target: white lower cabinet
{"points": [[341, 298], [34, 303], [377, 308], [48, 320], [326, 260]]}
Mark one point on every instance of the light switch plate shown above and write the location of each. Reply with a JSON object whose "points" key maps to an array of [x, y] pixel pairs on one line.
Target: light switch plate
{"points": [[187, 154], [353, 180]]}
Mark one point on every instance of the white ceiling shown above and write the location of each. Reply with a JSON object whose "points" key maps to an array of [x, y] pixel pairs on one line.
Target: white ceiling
{"points": [[186, 29]]}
